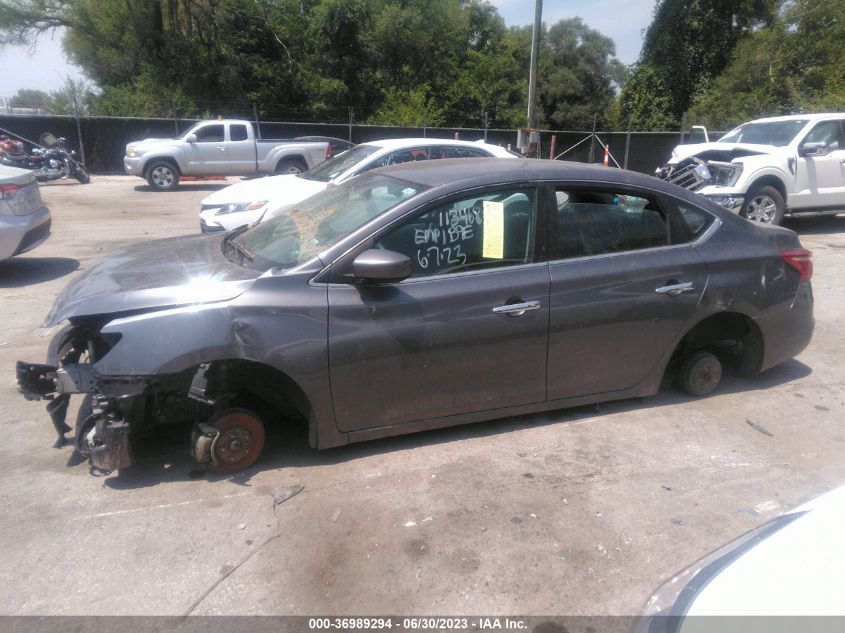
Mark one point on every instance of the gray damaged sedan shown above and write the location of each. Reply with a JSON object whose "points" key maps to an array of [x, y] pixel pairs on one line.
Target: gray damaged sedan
{"points": [[420, 296]]}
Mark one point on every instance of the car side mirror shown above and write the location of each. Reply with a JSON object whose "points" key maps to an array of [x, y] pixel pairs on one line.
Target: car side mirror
{"points": [[381, 266], [813, 149], [192, 138]]}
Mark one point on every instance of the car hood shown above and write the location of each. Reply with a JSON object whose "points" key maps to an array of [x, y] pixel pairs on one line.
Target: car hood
{"points": [[153, 275], [722, 151], [796, 571], [277, 189]]}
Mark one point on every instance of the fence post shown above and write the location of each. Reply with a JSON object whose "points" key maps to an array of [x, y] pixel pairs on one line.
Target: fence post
{"points": [[485, 126], [627, 143], [78, 129], [350, 124], [593, 140], [425, 124], [175, 118], [683, 127], [552, 147], [257, 122]]}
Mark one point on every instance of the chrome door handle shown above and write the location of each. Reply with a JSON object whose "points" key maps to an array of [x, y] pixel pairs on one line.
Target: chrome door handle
{"points": [[517, 309], [675, 289], [222, 148]]}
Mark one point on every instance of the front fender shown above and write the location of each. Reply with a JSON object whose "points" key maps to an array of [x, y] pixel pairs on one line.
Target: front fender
{"points": [[168, 154], [291, 338], [752, 174]]}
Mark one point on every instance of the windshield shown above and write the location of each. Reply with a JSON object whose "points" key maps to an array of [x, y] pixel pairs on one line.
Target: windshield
{"points": [[333, 167], [320, 221], [777, 133]]}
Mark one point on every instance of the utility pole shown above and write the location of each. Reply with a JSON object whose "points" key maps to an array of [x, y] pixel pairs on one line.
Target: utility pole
{"points": [[532, 75]]}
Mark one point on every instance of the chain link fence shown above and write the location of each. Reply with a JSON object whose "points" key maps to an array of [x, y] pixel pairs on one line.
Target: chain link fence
{"points": [[102, 140]]}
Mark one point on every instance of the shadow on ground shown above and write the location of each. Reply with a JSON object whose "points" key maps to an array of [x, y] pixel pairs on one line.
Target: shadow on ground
{"points": [[816, 225], [165, 458], [26, 271], [193, 186]]}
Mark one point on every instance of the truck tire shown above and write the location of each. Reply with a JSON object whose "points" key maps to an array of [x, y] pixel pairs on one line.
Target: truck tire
{"points": [[764, 204], [290, 167], [163, 175]]}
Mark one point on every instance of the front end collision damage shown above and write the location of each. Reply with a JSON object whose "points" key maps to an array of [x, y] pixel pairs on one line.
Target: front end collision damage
{"points": [[104, 424], [722, 175], [192, 365]]}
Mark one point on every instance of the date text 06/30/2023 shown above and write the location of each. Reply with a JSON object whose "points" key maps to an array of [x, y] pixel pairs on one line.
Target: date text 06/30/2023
{"points": [[418, 624]]}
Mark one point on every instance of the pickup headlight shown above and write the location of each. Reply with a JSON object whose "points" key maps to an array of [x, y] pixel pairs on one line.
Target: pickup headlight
{"points": [[133, 152], [724, 174], [237, 207]]}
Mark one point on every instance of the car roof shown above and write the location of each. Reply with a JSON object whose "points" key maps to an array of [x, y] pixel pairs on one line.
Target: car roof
{"points": [[800, 117], [399, 143], [482, 171], [455, 174]]}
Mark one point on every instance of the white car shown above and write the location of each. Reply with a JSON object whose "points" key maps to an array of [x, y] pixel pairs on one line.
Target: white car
{"points": [[793, 565], [768, 168], [248, 201], [24, 220]]}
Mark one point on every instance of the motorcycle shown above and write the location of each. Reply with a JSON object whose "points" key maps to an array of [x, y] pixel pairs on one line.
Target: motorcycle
{"points": [[11, 151], [51, 161]]}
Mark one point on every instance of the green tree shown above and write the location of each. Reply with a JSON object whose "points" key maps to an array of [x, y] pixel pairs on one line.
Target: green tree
{"points": [[413, 107], [688, 43], [73, 97], [794, 65], [578, 75], [27, 98], [453, 60]]}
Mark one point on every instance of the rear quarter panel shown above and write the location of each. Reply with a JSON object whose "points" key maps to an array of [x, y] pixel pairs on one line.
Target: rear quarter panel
{"points": [[747, 275]]}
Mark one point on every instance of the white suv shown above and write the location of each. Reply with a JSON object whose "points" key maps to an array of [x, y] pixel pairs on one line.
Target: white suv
{"points": [[767, 168], [24, 220]]}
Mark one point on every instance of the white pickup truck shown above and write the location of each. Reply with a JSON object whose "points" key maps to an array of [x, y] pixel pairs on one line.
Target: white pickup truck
{"points": [[219, 148], [767, 168]]}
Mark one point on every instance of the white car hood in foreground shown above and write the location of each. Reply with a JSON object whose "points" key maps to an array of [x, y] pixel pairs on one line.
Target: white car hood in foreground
{"points": [[798, 570], [793, 565]]}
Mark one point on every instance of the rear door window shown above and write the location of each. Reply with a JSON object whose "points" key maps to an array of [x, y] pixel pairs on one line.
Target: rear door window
{"points": [[455, 151], [596, 222], [237, 132], [398, 157]]}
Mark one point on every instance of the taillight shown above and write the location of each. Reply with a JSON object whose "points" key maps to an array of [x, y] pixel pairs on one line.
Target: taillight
{"points": [[329, 152], [801, 260], [8, 191]]}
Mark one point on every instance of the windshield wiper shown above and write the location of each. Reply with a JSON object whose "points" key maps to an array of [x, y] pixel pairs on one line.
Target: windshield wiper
{"points": [[242, 250]]}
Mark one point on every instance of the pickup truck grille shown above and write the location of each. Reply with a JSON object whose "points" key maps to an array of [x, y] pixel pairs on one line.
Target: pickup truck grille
{"points": [[687, 176]]}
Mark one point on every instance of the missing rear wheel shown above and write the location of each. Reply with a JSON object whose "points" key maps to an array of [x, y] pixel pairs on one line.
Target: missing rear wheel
{"points": [[700, 374]]}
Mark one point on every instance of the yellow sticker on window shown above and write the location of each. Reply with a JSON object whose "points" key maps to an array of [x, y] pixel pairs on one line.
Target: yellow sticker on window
{"points": [[494, 230]]}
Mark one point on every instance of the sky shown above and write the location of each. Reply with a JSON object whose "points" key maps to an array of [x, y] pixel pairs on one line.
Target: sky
{"points": [[624, 21]]}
